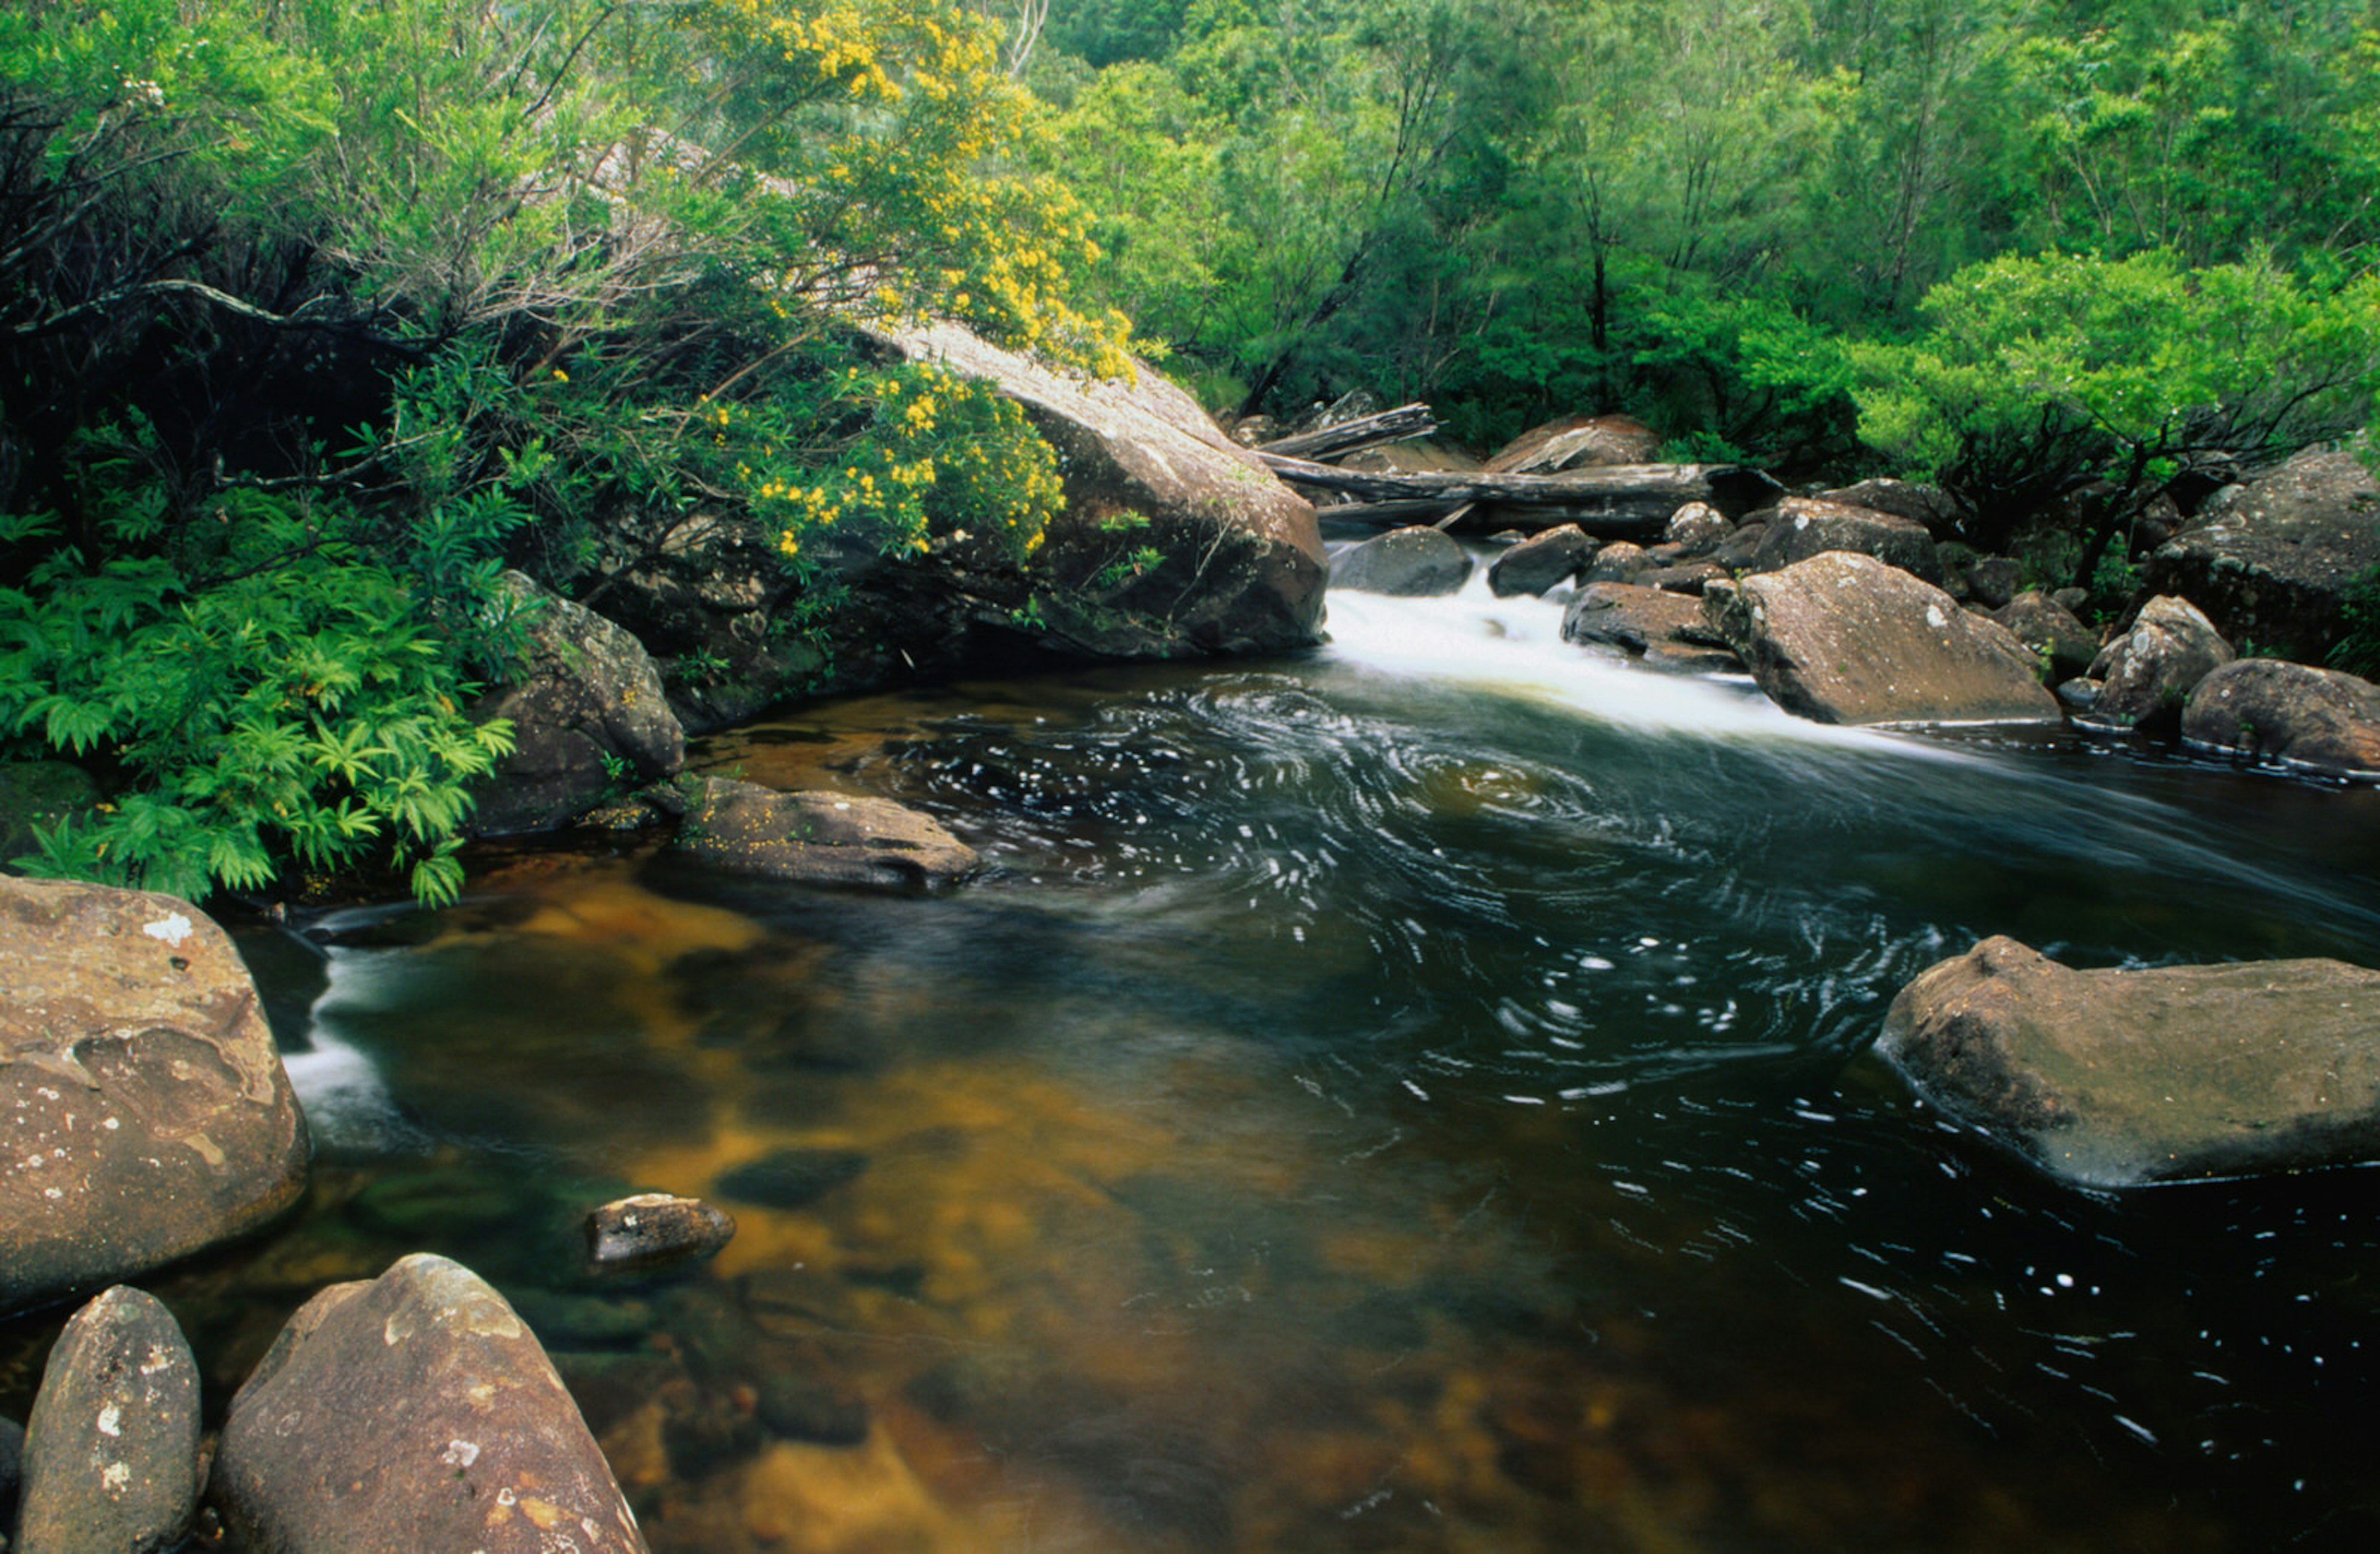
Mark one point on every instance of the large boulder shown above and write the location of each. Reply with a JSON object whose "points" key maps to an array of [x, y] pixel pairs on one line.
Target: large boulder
{"points": [[1242, 564], [1800, 528], [1667, 630], [2051, 632], [2147, 674], [414, 1412], [2293, 714], [1543, 561], [816, 837], [1415, 562], [1845, 638], [1929, 506], [2272, 561], [2119, 1078], [146, 1111], [1697, 529], [1575, 443], [590, 718], [112, 1448]]}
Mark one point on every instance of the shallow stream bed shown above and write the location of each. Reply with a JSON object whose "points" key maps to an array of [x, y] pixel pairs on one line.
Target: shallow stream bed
{"points": [[1411, 1097]]}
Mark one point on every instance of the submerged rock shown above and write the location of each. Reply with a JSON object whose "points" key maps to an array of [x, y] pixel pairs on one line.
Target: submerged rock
{"points": [[652, 1230], [2150, 670], [790, 1177], [1845, 638], [589, 719], [2121, 1078], [1541, 563], [2272, 561], [111, 1462], [2294, 714], [148, 1115], [816, 837], [1415, 562], [1800, 528], [413, 1413], [1667, 630]]}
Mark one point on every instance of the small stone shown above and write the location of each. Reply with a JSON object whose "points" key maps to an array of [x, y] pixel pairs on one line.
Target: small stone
{"points": [[654, 1228], [790, 1177], [111, 1454]]}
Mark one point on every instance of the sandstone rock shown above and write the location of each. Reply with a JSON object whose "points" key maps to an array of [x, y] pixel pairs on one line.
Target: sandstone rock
{"points": [[1243, 562], [589, 719], [2049, 631], [1576, 442], [2291, 714], [1697, 529], [2119, 1078], [1415, 562], [2150, 669], [112, 1448], [1993, 582], [142, 1104], [1800, 528], [1928, 506], [413, 1413], [1845, 638], [1667, 630], [817, 837], [1619, 562], [653, 1229], [1543, 561], [2271, 561]]}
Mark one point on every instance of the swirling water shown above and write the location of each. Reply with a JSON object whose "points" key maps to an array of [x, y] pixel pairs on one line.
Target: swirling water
{"points": [[1413, 1095]]}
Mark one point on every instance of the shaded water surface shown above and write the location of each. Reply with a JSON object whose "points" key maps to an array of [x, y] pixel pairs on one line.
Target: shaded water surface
{"points": [[1410, 1097]]}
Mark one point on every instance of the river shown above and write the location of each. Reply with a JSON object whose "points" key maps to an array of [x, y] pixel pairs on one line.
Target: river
{"points": [[1413, 1095]]}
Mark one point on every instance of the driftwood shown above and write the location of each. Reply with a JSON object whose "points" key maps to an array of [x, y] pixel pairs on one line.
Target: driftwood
{"points": [[1401, 424], [1612, 502]]}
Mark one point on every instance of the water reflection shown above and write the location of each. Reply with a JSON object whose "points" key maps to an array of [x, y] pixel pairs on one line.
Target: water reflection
{"points": [[1407, 1099]]}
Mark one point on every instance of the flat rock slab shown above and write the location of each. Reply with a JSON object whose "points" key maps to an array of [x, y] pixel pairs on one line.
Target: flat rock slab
{"points": [[144, 1113], [2290, 714], [413, 1413], [112, 1450], [2124, 1078], [816, 837], [1845, 638]]}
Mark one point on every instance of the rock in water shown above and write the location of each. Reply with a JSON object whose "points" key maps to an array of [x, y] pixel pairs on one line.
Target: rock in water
{"points": [[112, 1450], [588, 719], [411, 1414], [816, 837], [1845, 638], [1416, 563], [1541, 562], [2272, 561], [2149, 672], [1667, 630], [146, 1111], [2121, 1078], [653, 1229], [2293, 714]]}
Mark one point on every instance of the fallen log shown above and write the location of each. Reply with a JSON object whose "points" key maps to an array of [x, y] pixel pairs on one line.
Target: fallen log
{"points": [[1401, 424], [1611, 502]]}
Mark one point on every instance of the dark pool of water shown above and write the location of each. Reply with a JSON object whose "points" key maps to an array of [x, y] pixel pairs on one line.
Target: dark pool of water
{"points": [[1414, 1098]]}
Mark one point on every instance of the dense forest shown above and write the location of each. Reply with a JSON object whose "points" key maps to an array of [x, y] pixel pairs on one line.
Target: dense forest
{"points": [[314, 316]]}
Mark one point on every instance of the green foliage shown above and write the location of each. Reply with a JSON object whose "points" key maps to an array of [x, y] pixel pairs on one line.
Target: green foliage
{"points": [[275, 699], [2039, 375]]}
